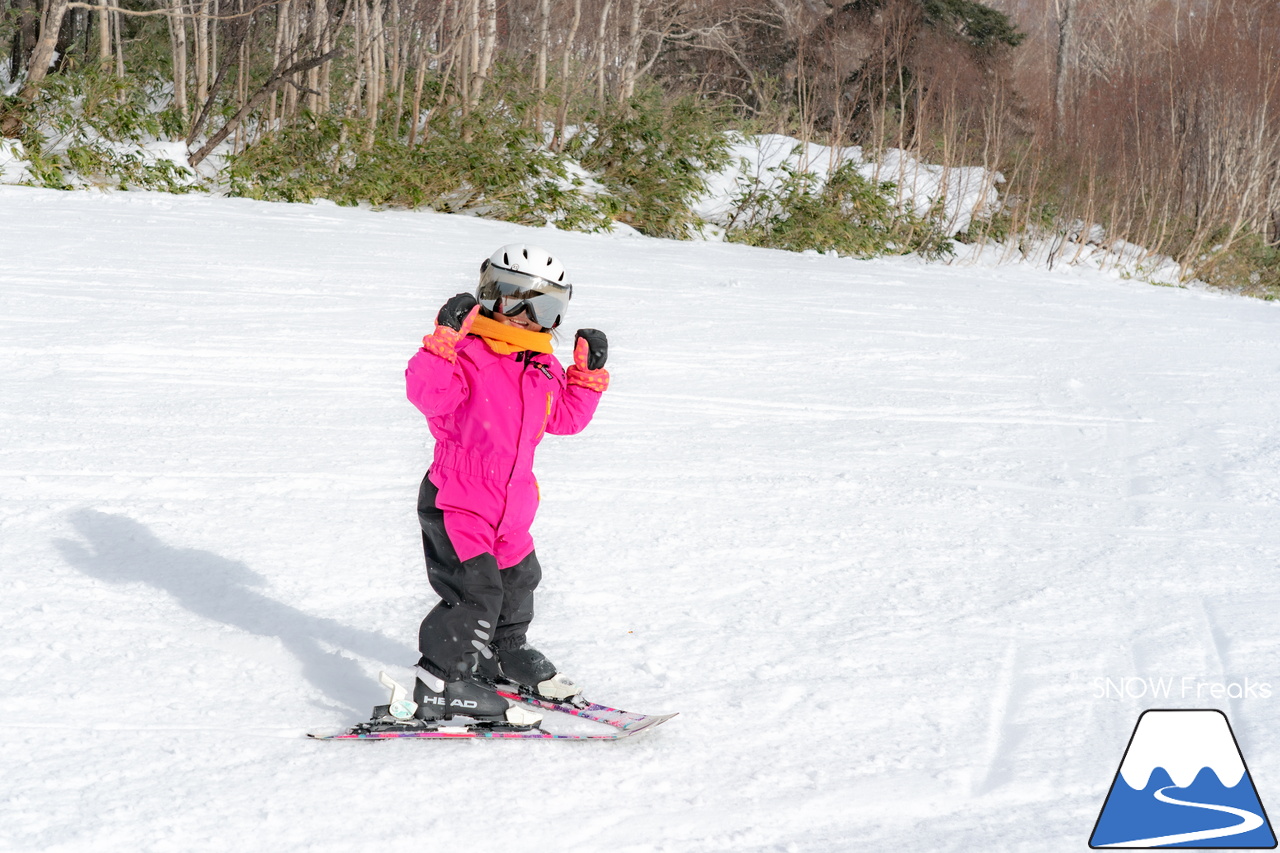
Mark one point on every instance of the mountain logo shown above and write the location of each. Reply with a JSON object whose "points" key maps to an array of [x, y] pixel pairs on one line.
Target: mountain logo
{"points": [[1183, 783]]}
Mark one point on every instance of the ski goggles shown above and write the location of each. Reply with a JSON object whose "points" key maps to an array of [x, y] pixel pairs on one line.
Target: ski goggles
{"points": [[509, 293]]}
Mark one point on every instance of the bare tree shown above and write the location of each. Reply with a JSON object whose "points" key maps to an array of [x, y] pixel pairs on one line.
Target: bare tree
{"points": [[566, 91], [277, 79], [1065, 14], [540, 65], [602, 51]]}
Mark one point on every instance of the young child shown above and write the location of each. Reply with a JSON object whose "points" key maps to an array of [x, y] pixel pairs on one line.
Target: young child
{"points": [[490, 389]]}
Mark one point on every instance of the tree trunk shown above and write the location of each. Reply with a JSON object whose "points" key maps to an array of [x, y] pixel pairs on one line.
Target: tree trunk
{"points": [[24, 40], [201, 33], [326, 77], [178, 32], [627, 83], [273, 83], [470, 52], [66, 39], [601, 41], [242, 88], [1066, 27], [415, 116], [485, 62], [214, 29], [104, 37], [117, 23], [540, 68], [314, 24], [399, 50], [206, 108], [377, 70], [358, 73], [562, 115], [277, 50], [42, 55]]}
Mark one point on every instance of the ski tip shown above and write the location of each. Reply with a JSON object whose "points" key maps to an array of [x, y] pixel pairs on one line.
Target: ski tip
{"points": [[647, 723]]}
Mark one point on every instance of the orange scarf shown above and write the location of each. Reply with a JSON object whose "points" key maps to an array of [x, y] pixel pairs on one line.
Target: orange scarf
{"points": [[504, 339]]}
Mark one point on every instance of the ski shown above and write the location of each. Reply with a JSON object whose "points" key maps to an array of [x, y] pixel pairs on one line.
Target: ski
{"points": [[463, 732], [629, 722], [384, 726]]}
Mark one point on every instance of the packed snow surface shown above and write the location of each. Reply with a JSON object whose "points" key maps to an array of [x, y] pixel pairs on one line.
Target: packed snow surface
{"points": [[909, 546]]}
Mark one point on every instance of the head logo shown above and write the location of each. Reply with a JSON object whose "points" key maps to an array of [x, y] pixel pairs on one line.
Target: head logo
{"points": [[1183, 783]]}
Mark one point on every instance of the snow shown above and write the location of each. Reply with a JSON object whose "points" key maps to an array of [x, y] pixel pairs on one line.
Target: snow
{"points": [[13, 162], [1079, 246], [883, 532]]}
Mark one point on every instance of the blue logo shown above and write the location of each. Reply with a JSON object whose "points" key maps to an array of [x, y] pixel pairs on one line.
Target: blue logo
{"points": [[1183, 783]]}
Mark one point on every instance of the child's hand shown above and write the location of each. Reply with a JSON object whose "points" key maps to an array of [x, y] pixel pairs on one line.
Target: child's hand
{"points": [[452, 325], [458, 310], [590, 351]]}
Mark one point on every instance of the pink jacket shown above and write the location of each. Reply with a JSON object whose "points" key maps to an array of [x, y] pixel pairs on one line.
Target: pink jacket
{"points": [[487, 413]]}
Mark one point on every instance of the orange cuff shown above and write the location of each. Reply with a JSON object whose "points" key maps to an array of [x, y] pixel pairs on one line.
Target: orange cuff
{"points": [[592, 380], [443, 343]]}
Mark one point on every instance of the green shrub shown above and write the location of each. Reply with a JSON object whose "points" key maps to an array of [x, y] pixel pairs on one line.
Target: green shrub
{"points": [[996, 225], [487, 163], [650, 154], [1250, 266], [90, 128], [647, 158], [846, 213]]}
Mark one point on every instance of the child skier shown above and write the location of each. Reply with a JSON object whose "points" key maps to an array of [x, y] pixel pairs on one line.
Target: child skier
{"points": [[490, 389]]}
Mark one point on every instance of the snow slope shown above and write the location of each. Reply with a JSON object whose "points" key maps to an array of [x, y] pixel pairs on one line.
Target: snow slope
{"points": [[886, 535]]}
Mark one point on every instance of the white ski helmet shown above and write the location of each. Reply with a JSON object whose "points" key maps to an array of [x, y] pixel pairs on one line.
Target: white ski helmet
{"points": [[518, 278]]}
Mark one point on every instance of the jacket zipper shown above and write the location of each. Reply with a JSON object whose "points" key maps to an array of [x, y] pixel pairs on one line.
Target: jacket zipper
{"points": [[522, 359]]}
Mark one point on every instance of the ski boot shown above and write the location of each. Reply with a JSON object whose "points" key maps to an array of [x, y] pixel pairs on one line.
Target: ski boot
{"points": [[530, 671], [463, 704], [468, 701]]}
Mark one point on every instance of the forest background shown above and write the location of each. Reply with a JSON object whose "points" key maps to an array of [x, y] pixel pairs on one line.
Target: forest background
{"points": [[1146, 122]]}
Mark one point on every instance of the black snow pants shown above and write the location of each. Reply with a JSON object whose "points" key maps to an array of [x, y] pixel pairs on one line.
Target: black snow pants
{"points": [[480, 604]]}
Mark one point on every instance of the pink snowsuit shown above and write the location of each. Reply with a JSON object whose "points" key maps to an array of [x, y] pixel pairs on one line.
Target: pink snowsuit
{"points": [[487, 413]]}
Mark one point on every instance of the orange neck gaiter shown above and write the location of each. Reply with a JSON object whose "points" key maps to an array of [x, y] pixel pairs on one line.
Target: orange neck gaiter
{"points": [[504, 339]]}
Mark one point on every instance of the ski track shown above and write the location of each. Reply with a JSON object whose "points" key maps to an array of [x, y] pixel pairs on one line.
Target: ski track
{"points": [[873, 528]]}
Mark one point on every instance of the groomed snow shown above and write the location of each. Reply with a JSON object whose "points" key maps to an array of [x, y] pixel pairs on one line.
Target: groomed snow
{"points": [[883, 533]]}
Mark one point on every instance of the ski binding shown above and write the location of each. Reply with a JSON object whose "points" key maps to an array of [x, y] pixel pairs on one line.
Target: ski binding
{"points": [[396, 720]]}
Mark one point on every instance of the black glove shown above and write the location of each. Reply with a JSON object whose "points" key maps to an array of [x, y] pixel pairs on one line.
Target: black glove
{"points": [[453, 312], [598, 347]]}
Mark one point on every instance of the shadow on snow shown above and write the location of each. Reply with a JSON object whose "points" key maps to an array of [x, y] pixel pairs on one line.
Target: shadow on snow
{"points": [[120, 550]]}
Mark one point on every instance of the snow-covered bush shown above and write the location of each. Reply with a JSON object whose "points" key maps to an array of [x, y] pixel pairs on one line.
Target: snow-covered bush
{"points": [[653, 156], [488, 163], [644, 164], [843, 212], [94, 129]]}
